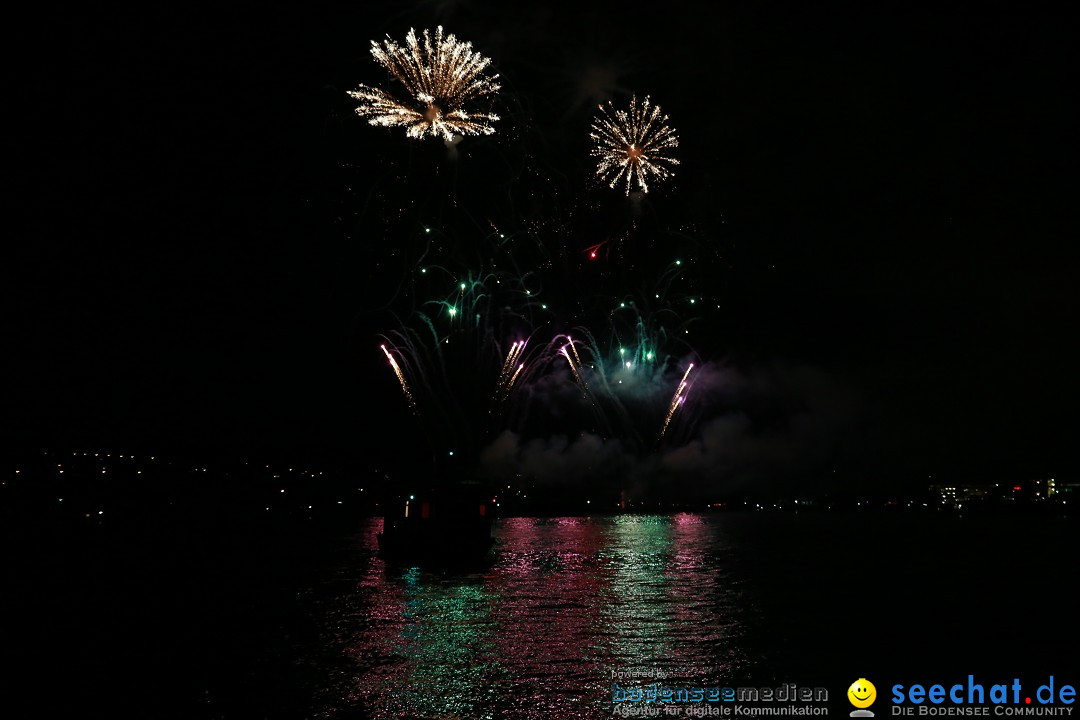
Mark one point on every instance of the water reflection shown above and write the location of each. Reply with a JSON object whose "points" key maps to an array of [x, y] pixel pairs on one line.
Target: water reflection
{"points": [[538, 633]]}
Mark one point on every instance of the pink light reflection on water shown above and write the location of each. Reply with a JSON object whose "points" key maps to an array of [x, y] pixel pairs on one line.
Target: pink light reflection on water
{"points": [[538, 633]]}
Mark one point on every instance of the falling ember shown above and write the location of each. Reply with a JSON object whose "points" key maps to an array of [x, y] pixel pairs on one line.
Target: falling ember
{"points": [[593, 251], [400, 377], [442, 78], [677, 400], [633, 144]]}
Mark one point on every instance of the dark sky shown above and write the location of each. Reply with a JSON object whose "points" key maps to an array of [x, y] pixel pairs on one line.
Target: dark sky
{"points": [[881, 201]]}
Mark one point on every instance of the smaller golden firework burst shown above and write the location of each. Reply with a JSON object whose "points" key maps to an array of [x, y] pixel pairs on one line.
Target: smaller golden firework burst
{"points": [[633, 144]]}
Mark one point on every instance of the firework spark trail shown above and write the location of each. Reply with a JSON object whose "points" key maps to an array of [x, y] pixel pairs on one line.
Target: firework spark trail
{"points": [[514, 377], [676, 400], [576, 370], [400, 377], [573, 369], [514, 359], [507, 364], [633, 144], [441, 78], [515, 353], [506, 380], [576, 356]]}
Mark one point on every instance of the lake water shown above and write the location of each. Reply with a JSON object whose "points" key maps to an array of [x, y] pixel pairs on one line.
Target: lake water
{"points": [[298, 622], [695, 601]]}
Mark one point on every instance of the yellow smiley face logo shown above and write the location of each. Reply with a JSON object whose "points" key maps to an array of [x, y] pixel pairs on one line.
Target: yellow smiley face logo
{"points": [[862, 693]]}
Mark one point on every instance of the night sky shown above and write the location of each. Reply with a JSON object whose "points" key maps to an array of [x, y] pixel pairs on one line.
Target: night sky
{"points": [[879, 199]]}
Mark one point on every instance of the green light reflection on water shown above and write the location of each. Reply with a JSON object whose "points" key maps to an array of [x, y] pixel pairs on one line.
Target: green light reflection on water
{"points": [[446, 649]]}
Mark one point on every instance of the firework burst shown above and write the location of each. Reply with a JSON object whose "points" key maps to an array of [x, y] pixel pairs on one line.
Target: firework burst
{"points": [[442, 77], [633, 144]]}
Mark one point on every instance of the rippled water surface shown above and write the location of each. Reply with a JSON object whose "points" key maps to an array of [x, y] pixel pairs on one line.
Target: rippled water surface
{"points": [[566, 601], [699, 600], [286, 621]]}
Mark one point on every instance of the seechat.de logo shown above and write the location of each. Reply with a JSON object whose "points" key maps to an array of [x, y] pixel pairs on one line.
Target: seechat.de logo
{"points": [[976, 698], [862, 694]]}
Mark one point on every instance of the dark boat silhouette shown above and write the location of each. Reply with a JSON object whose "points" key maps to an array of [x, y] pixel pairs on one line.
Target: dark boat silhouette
{"points": [[447, 523]]}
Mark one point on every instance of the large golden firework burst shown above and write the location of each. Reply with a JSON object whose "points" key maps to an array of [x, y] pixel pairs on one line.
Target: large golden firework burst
{"points": [[441, 76], [633, 144]]}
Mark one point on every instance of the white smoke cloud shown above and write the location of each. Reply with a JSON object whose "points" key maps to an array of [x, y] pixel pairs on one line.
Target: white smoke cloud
{"points": [[738, 427]]}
